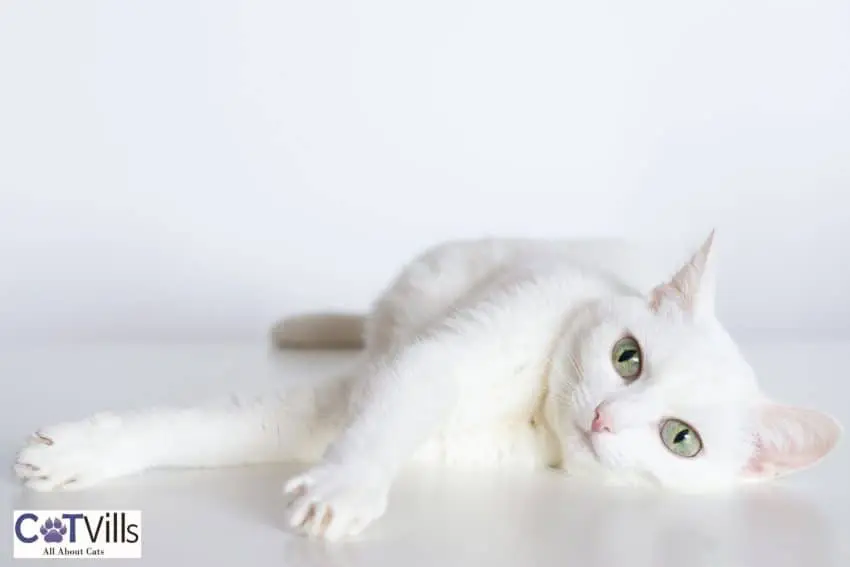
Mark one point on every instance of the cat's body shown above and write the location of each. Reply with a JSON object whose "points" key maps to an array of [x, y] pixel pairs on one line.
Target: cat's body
{"points": [[483, 353]]}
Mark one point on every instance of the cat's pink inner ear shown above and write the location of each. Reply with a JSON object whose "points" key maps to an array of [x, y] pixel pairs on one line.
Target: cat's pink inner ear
{"points": [[692, 287], [788, 439]]}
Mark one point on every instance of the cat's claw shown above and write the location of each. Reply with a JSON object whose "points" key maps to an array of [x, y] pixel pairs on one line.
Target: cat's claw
{"points": [[335, 502], [72, 456]]}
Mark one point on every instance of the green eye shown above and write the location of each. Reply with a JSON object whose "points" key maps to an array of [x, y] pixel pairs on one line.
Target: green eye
{"points": [[680, 438], [627, 358]]}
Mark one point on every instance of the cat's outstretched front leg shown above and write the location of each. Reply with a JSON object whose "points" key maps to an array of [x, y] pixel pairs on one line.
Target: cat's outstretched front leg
{"points": [[398, 400], [396, 405], [296, 425]]}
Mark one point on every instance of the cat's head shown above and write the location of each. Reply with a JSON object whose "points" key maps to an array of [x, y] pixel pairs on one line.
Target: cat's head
{"points": [[653, 387]]}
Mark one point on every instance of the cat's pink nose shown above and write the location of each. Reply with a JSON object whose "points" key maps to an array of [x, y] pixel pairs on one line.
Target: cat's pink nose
{"points": [[599, 423]]}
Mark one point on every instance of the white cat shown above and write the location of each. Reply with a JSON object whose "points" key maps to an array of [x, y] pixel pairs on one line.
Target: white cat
{"points": [[576, 355]]}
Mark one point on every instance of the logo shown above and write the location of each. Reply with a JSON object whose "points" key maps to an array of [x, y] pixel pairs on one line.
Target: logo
{"points": [[78, 534]]}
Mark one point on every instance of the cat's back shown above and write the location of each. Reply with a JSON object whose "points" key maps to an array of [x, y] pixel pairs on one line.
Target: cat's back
{"points": [[636, 264]]}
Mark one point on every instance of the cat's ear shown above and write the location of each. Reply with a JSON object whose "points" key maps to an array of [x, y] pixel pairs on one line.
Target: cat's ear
{"points": [[692, 288], [788, 439]]}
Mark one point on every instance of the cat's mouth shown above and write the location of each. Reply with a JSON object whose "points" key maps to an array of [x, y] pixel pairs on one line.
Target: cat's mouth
{"points": [[586, 438]]}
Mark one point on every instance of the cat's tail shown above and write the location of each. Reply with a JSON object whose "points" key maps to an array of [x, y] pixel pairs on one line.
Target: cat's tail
{"points": [[319, 331]]}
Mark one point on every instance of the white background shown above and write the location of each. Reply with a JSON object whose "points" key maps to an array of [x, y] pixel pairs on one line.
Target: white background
{"points": [[194, 169]]}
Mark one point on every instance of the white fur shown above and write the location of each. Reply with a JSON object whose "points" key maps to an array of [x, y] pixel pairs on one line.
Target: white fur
{"points": [[481, 353]]}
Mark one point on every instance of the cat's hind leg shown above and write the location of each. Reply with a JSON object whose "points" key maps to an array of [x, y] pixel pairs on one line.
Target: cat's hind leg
{"points": [[295, 425]]}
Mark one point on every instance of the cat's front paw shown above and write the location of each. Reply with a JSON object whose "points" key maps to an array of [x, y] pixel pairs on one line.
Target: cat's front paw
{"points": [[75, 455], [334, 502]]}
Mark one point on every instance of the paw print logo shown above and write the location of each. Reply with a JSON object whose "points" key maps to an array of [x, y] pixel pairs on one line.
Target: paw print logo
{"points": [[53, 530]]}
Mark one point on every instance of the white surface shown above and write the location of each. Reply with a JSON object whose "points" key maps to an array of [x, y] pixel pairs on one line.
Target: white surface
{"points": [[436, 517], [190, 168]]}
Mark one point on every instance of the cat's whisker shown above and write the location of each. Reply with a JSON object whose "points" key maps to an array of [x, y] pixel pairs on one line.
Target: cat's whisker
{"points": [[577, 368]]}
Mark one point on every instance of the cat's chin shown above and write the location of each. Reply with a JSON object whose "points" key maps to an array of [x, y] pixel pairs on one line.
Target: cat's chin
{"points": [[581, 445], [582, 461], [578, 454], [596, 473]]}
